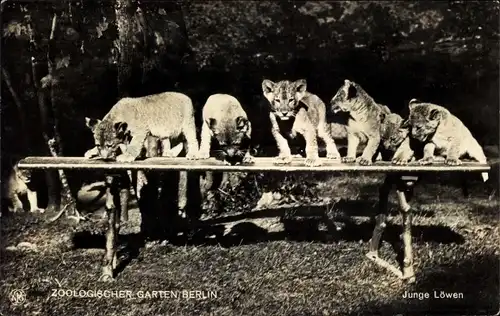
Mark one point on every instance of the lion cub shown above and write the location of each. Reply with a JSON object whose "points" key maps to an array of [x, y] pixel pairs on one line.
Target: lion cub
{"points": [[289, 101], [443, 134], [226, 123], [364, 123], [167, 115], [395, 140], [16, 187]]}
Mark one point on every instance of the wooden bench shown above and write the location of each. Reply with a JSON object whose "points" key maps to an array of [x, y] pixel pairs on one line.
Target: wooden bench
{"points": [[402, 177]]}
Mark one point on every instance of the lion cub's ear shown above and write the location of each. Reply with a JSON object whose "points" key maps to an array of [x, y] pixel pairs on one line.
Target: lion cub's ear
{"points": [[405, 124], [243, 125], [382, 116], [300, 88], [301, 85], [350, 90], [412, 103], [434, 115], [211, 122], [120, 127], [267, 86], [92, 123]]}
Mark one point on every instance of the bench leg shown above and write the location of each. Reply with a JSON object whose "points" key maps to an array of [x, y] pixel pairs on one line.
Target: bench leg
{"points": [[380, 224], [110, 259], [380, 218], [404, 195]]}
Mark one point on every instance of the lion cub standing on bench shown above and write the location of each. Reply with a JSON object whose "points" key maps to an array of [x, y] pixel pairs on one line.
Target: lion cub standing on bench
{"points": [[226, 123], [443, 134], [290, 100], [364, 124], [167, 115]]}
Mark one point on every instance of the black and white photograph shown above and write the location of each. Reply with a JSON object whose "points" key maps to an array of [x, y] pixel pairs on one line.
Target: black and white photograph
{"points": [[222, 158]]}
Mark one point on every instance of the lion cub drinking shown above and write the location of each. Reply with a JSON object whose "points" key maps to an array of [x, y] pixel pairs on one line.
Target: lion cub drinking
{"points": [[167, 115], [226, 123], [290, 101], [443, 134]]}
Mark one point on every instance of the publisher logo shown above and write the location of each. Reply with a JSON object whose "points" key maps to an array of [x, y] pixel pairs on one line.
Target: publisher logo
{"points": [[17, 297]]}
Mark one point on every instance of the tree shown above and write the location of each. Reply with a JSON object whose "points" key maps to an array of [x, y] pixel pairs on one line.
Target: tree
{"points": [[54, 145], [124, 10]]}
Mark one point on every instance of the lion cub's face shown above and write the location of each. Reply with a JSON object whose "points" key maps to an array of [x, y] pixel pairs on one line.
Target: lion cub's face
{"points": [[346, 97], [393, 133], [424, 120], [284, 96], [22, 174], [108, 136], [232, 135]]}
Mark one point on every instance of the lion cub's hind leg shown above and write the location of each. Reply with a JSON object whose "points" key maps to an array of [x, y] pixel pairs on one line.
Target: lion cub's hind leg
{"points": [[168, 151], [192, 145], [17, 204]]}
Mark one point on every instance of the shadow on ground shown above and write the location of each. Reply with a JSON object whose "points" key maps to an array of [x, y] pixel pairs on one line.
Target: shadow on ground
{"points": [[311, 224]]}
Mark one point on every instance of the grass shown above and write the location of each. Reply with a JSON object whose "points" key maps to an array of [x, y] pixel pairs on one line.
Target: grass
{"points": [[279, 260]]}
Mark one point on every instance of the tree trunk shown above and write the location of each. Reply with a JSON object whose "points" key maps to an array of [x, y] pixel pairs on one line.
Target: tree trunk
{"points": [[50, 175], [141, 19], [20, 111], [51, 70], [124, 10], [56, 144]]}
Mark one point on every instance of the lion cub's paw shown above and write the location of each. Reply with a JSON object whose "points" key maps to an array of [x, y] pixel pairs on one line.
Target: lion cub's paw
{"points": [[126, 157], [248, 159], [333, 156], [203, 155], [348, 159], [192, 155], [91, 153], [312, 162], [399, 161], [107, 278], [363, 161], [282, 160], [452, 162], [426, 161]]}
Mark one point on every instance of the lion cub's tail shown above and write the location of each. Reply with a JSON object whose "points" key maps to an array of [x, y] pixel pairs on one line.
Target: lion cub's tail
{"points": [[475, 151]]}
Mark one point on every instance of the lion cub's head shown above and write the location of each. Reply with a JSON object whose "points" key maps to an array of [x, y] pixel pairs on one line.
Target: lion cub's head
{"points": [[22, 174], [284, 96], [350, 97], [424, 119], [232, 135], [393, 132], [108, 136]]}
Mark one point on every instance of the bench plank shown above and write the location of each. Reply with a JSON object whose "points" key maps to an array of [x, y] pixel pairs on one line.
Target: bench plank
{"points": [[261, 164]]}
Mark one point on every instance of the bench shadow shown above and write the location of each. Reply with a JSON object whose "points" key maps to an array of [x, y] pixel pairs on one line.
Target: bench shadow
{"points": [[128, 246], [311, 224], [324, 224]]}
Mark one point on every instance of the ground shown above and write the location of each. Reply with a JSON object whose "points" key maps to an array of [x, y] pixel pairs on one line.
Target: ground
{"points": [[287, 264]]}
